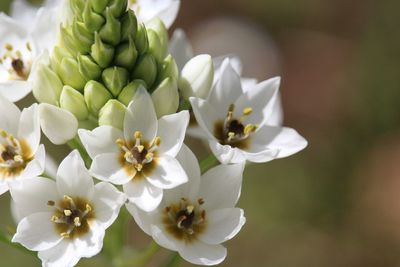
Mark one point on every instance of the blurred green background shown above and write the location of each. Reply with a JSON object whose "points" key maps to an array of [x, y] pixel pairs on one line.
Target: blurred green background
{"points": [[337, 202]]}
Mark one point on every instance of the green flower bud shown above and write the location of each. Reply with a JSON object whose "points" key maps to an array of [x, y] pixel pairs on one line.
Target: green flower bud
{"points": [[129, 91], [155, 45], [141, 40], [111, 31], [77, 6], [115, 78], [117, 7], [46, 85], [166, 97], [146, 69], [99, 5], [88, 68], [112, 113], [126, 54], [74, 102], [129, 26], [158, 26], [92, 20], [168, 68], [83, 37], [68, 42], [96, 96], [102, 53], [57, 56], [69, 74]]}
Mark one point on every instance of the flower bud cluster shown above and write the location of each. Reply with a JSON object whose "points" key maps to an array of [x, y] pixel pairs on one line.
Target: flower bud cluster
{"points": [[102, 57]]}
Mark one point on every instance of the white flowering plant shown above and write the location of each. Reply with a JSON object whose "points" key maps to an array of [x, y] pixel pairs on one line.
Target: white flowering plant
{"points": [[110, 84]]}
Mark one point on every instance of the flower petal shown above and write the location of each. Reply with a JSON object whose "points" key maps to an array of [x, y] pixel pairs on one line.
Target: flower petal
{"points": [[36, 166], [10, 115], [29, 126], [169, 14], [227, 154], [220, 186], [44, 28], [142, 218], [222, 225], [91, 243], [36, 232], [107, 202], [73, 179], [107, 168], [57, 124], [180, 48], [171, 130], [206, 115], [141, 116], [63, 254], [168, 173], [146, 196], [162, 238], [100, 140], [15, 90], [10, 26], [203, 254]]}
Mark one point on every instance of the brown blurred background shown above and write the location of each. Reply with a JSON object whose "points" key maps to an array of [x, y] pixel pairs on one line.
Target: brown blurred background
{"points": [[337, 202]]}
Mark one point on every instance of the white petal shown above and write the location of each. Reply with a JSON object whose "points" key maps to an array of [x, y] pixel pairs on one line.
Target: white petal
{"points": [[32, 195], [10, 115], [189, 190], [141, 116], [142, 218], [10, 26], [248, 83], [227, 154], [15, 90], [73, 179], [165, 240], [168, 173], [261, 99], [29, 126], [44, 29], [63, 254], [171, 130], [91, 243], [36, 166], [203, 254], [165, 10], [235, 63], [227, 90], [285, 141], [180, 48], [220, 186], [169, 14], [146, 196], [107, 201], [57, 124], [222, 225], [36, 232], [206, 115], [107, 168], [100, 140], [275, 118]]}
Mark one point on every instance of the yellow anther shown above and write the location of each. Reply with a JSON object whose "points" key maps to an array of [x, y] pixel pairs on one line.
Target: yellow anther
{"points": [[68, 198], [65, 235], [231, 135], [139, 167], [120, 142], [140, 148], [128, 154], [231, 108], [88, 208], [18, 158], [249, 128], [18, 53], [8, 46], [50, 203], [138, 135], [247, 111], [149, 156], [157, 141], [28, 46], [67, 213], [3, 133], [77, 221], [190, 209], [54, 218]]}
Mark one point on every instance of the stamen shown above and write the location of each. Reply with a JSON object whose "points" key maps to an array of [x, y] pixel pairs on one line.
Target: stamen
{"points": [[77, 221], [139, 167], [247, 111], [120, 142], [18, 158], [200, 201], [180, 221], [140, 148], [157, 141], [70, 200], [66, 234], [190, 209], [8, 46], [50, 203], [249, 129], [67, 213], [149, 156], [231, 135]]}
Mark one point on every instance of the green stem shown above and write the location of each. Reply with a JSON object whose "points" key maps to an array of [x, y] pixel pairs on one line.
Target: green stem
{"points": [[146, 255], [174, 261], [76, 144], [208, 163]]}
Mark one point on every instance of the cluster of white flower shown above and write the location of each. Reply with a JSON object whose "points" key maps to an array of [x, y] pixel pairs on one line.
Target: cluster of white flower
{"points": [[162, 187]]}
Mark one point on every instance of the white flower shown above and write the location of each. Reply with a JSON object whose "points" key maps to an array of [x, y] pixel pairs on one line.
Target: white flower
{"points": [[21, 156], [142, 158], [146, 10], [236, 121], [65, 220], [195, 218]]}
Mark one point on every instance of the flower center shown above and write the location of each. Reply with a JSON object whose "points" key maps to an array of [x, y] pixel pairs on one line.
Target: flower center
{"points": [[139, 153], [16, 63], [14, 155], [233, 131], [72, 216], [185, 220]]}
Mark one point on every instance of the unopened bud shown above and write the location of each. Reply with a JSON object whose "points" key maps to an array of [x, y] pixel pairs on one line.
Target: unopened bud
{"points": [[92, 20], [155, 45], [99, 5], [57, 56], [74, 102], [158, 26], [88, 68], [69, 74], [166, 97], [83, 37], [117, 7], [67, 41], [115, 78], [128, 25], [141, 40], [46, 85], [146, 69], [197, 77], [168, 68], [111, 31], [112, 113], [96, 96], [126, 54], [129, 91], [77, 6], [102, 53]]}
